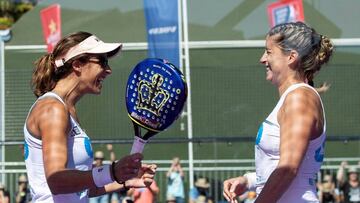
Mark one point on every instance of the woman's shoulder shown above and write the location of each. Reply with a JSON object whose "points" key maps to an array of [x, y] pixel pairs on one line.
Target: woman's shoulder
{"points": [[302, 96], [301, 101], [49, 106]]}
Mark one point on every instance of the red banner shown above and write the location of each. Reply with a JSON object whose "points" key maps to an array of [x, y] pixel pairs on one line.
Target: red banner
{"points": [[285, 11], [51, 24]]}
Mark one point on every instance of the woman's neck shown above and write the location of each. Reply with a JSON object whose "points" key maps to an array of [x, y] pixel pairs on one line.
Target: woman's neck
{"points": [[68, 90], [289, 78], [287, 83]]}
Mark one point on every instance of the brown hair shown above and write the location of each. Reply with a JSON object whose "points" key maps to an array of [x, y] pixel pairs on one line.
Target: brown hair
{"points": [[314, 49], [46, 74]]}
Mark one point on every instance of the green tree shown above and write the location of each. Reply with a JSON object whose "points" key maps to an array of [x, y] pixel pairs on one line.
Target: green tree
{"points": [[11, 11]]}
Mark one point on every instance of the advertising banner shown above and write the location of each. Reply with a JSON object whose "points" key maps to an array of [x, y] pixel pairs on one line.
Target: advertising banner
{"points": [[162, 26], [51, 24], [285, 11]]}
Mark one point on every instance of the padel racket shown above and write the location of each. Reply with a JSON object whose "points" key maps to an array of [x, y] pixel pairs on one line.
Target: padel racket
{"points": [[155, 96]]}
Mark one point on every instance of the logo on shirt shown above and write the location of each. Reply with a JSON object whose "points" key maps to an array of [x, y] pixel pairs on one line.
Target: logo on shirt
{"points": [[319, 153], [75, 131], [82, 194], [311, 181], [88, 148], [26, 150], [259, 134]]}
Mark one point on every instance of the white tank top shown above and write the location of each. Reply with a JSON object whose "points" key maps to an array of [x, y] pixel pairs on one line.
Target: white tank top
{"points": [[80, 157], [267, 155]]}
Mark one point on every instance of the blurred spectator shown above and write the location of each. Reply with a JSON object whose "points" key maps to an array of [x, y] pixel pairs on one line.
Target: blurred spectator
{"points": [[112, 156], [2, 196], [349, 187], [216, 190], [23, 193], [98, 158], [175, 184], [200, 193], [247, 197], [327, 191], [6, 196], [251, 197], [98, 161], [115, 197], [127, 199], [145, 195], [119, 197]]}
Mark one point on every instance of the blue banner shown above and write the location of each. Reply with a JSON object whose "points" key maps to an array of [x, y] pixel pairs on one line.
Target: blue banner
{"points": [[162, 26]]}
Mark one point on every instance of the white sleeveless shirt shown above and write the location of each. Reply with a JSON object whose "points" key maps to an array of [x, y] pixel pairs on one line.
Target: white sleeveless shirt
{"points": [[267, 155], [80, 157]]}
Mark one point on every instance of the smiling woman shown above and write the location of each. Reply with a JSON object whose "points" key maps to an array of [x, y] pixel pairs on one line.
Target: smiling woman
{"points": [[289, 148], [59, 155]]}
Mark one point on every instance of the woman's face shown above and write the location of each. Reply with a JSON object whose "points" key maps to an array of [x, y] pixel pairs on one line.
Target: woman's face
{"points": [[353, 176], [275, 61], [95, 71]]}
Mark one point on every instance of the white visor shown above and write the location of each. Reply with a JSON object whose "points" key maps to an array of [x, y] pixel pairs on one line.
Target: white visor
{"points": [[91, 45]]}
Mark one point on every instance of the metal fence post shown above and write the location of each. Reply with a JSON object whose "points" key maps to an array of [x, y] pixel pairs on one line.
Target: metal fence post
{"points": [[2, 110]]}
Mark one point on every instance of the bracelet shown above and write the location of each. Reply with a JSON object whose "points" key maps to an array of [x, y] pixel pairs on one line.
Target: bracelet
{"points": [[102, 175], [114, 174]]}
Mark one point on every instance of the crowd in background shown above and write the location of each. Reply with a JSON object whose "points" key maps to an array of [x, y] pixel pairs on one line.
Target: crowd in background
{"points": [[342, 187]]}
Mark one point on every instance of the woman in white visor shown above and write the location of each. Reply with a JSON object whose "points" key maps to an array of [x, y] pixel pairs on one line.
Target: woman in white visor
{"points": [[58, 153]]}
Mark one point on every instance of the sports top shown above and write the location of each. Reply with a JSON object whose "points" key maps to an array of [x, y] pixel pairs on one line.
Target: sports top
{"points": [[267, 155], [79, 156]]}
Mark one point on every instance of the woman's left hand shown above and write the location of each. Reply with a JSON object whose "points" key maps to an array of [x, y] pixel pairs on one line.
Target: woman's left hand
{"points": [[145, 176]]}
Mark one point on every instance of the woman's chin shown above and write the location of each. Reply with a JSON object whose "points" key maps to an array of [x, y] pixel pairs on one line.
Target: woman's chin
{"points": [[96, 91], [269, 77]]}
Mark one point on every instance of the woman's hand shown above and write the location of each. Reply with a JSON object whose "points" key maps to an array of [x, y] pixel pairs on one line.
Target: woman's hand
{"points": [[109, 147], [144, 178], [128, 167], [234, 187]]}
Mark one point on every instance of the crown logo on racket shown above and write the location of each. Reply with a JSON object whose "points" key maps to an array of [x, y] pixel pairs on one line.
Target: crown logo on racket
{"points": [[155, 95], [152, 96]]}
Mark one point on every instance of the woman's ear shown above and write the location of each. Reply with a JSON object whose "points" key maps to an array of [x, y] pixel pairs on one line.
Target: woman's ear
{"points": [[293, 57], [76, 64]]}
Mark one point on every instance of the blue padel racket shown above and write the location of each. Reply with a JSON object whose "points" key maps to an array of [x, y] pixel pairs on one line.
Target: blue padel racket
{"points": [[155, 96]]}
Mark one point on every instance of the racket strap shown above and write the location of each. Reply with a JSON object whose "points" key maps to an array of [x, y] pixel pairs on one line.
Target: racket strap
{"points": [[138, 145]]}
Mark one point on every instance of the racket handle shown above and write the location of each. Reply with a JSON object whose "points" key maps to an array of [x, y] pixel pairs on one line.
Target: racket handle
{"points": [[138, 145]]}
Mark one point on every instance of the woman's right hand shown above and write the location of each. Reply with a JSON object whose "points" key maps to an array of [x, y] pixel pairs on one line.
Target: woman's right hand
{"points": [[234, 187], [128, 167], [344, 164]]}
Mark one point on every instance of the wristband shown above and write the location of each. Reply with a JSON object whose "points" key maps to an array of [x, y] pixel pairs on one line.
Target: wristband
{"points": [[251, 180], [102, 175]]}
